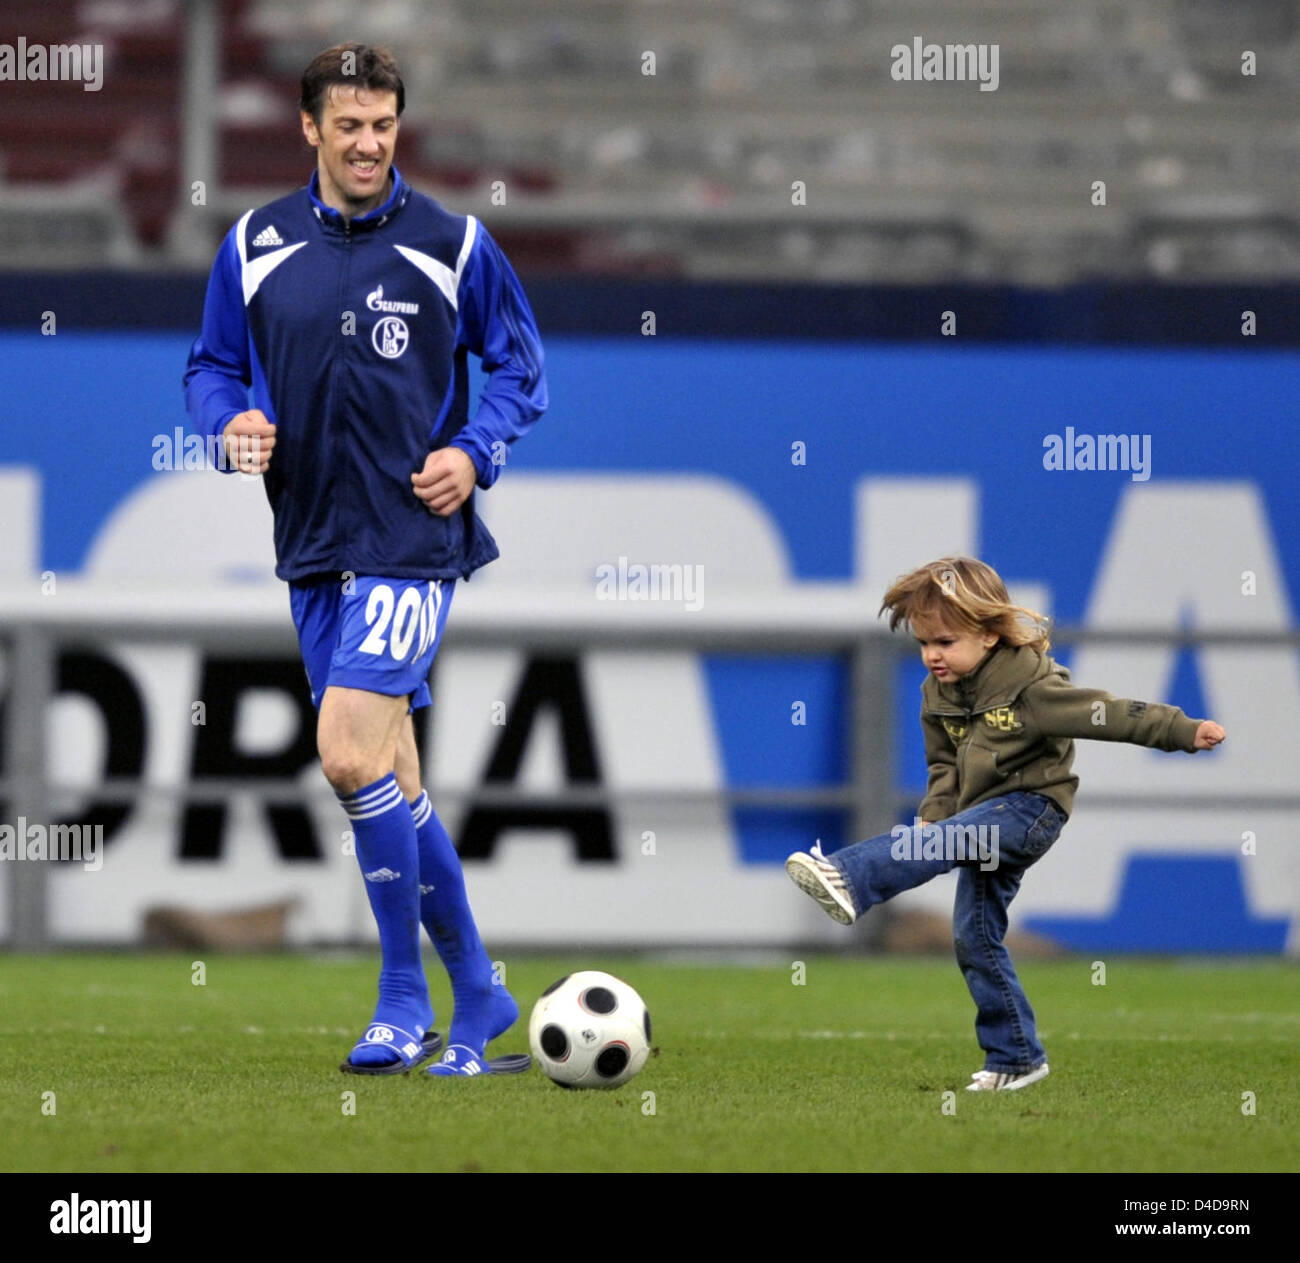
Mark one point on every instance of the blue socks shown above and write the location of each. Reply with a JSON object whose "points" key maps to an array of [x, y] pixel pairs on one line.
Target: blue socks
{"points": [[484, 1009], [389, 858]]}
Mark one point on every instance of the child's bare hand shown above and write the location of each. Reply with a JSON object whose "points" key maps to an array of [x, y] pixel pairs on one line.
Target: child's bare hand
{"points": [[1208, 735]]}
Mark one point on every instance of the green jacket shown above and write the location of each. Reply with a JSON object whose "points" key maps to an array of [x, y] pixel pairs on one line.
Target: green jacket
{"points": [[1011, 723]]}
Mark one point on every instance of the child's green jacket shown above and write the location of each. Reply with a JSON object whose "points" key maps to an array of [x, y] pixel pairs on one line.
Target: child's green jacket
{"points": [[1011, 725]]}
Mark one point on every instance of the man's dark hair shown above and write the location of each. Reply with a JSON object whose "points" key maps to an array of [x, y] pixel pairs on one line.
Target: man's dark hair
{"points": [[350, 65]]}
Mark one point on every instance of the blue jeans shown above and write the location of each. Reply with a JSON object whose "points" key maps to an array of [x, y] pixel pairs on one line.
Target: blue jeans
{"points": [[990, 845]]}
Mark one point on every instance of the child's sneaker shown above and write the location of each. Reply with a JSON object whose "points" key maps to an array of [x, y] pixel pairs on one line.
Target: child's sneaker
{"points": [[1001, 1081], [815, 875]]}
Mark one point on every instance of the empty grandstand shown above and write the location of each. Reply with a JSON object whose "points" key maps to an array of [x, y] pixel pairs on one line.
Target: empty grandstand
{"points": [[746, 139]]}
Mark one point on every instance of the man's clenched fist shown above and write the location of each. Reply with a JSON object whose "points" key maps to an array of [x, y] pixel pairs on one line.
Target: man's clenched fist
{"points": [[249, 440], [445, 481]]}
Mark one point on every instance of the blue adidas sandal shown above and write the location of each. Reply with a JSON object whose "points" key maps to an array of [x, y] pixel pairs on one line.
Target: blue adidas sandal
{"points": [[412, 1052], [460, 1060]]}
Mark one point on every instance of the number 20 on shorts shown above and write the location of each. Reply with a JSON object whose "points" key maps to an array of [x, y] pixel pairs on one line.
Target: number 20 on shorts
{"points": [[414, 620]]}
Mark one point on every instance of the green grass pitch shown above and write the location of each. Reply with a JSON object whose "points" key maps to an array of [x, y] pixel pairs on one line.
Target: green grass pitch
{"points": [[848, 1071]]}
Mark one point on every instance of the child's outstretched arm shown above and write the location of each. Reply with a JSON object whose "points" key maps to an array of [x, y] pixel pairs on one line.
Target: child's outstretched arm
{"points": [[1059, 709]]}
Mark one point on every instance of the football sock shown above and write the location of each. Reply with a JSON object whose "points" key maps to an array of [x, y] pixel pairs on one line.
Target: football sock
{"points": [[484, 1009], [386, 850]]}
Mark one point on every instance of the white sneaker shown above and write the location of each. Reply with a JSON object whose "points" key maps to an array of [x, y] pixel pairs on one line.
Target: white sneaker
{"points": [[815, 875], [995, 1081]]}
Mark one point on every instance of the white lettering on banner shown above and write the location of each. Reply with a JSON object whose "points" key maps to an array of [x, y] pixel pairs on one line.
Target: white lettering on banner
{"points": [[1149, 578], [715, 523], [20, 499], [891, 538], [653, 722]]}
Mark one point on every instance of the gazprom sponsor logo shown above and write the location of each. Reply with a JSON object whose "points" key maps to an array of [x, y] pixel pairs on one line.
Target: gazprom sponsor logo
{"points": [[376, 301]]}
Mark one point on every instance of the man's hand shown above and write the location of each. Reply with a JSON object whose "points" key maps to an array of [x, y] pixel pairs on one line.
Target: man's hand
{"points": [[445, 481], [249, 439], [1208, 735]]}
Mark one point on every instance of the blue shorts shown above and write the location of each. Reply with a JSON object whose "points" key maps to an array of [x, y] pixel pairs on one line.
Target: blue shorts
{"points": [[371, 633]]}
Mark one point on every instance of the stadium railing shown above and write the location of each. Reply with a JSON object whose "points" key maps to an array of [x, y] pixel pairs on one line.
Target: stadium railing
{"points": [[827, 619]]}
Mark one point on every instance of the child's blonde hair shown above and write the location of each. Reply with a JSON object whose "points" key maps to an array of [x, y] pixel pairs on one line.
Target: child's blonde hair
{"points": [[964, 595]]}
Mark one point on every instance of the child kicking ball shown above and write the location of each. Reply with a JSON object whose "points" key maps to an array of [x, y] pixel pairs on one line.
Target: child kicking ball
{"points": [[1000, 719]]}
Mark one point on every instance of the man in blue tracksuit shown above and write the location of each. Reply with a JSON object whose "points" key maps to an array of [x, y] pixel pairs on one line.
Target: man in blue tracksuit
{"points": [[348, 309]]}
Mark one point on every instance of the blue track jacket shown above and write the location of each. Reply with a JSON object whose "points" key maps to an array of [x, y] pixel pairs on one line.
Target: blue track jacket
{"points": [[353, 339]]}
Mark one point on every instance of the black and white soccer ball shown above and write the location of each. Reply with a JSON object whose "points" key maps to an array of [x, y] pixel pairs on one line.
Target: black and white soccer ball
{"points": [[590, 1030]]}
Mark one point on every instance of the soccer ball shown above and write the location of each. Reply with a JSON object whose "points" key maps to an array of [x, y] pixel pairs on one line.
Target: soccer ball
{"points": [[590, 1030]]}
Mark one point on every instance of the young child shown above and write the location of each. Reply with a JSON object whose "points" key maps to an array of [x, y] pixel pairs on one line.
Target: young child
{"points": [[1000, 718]]}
